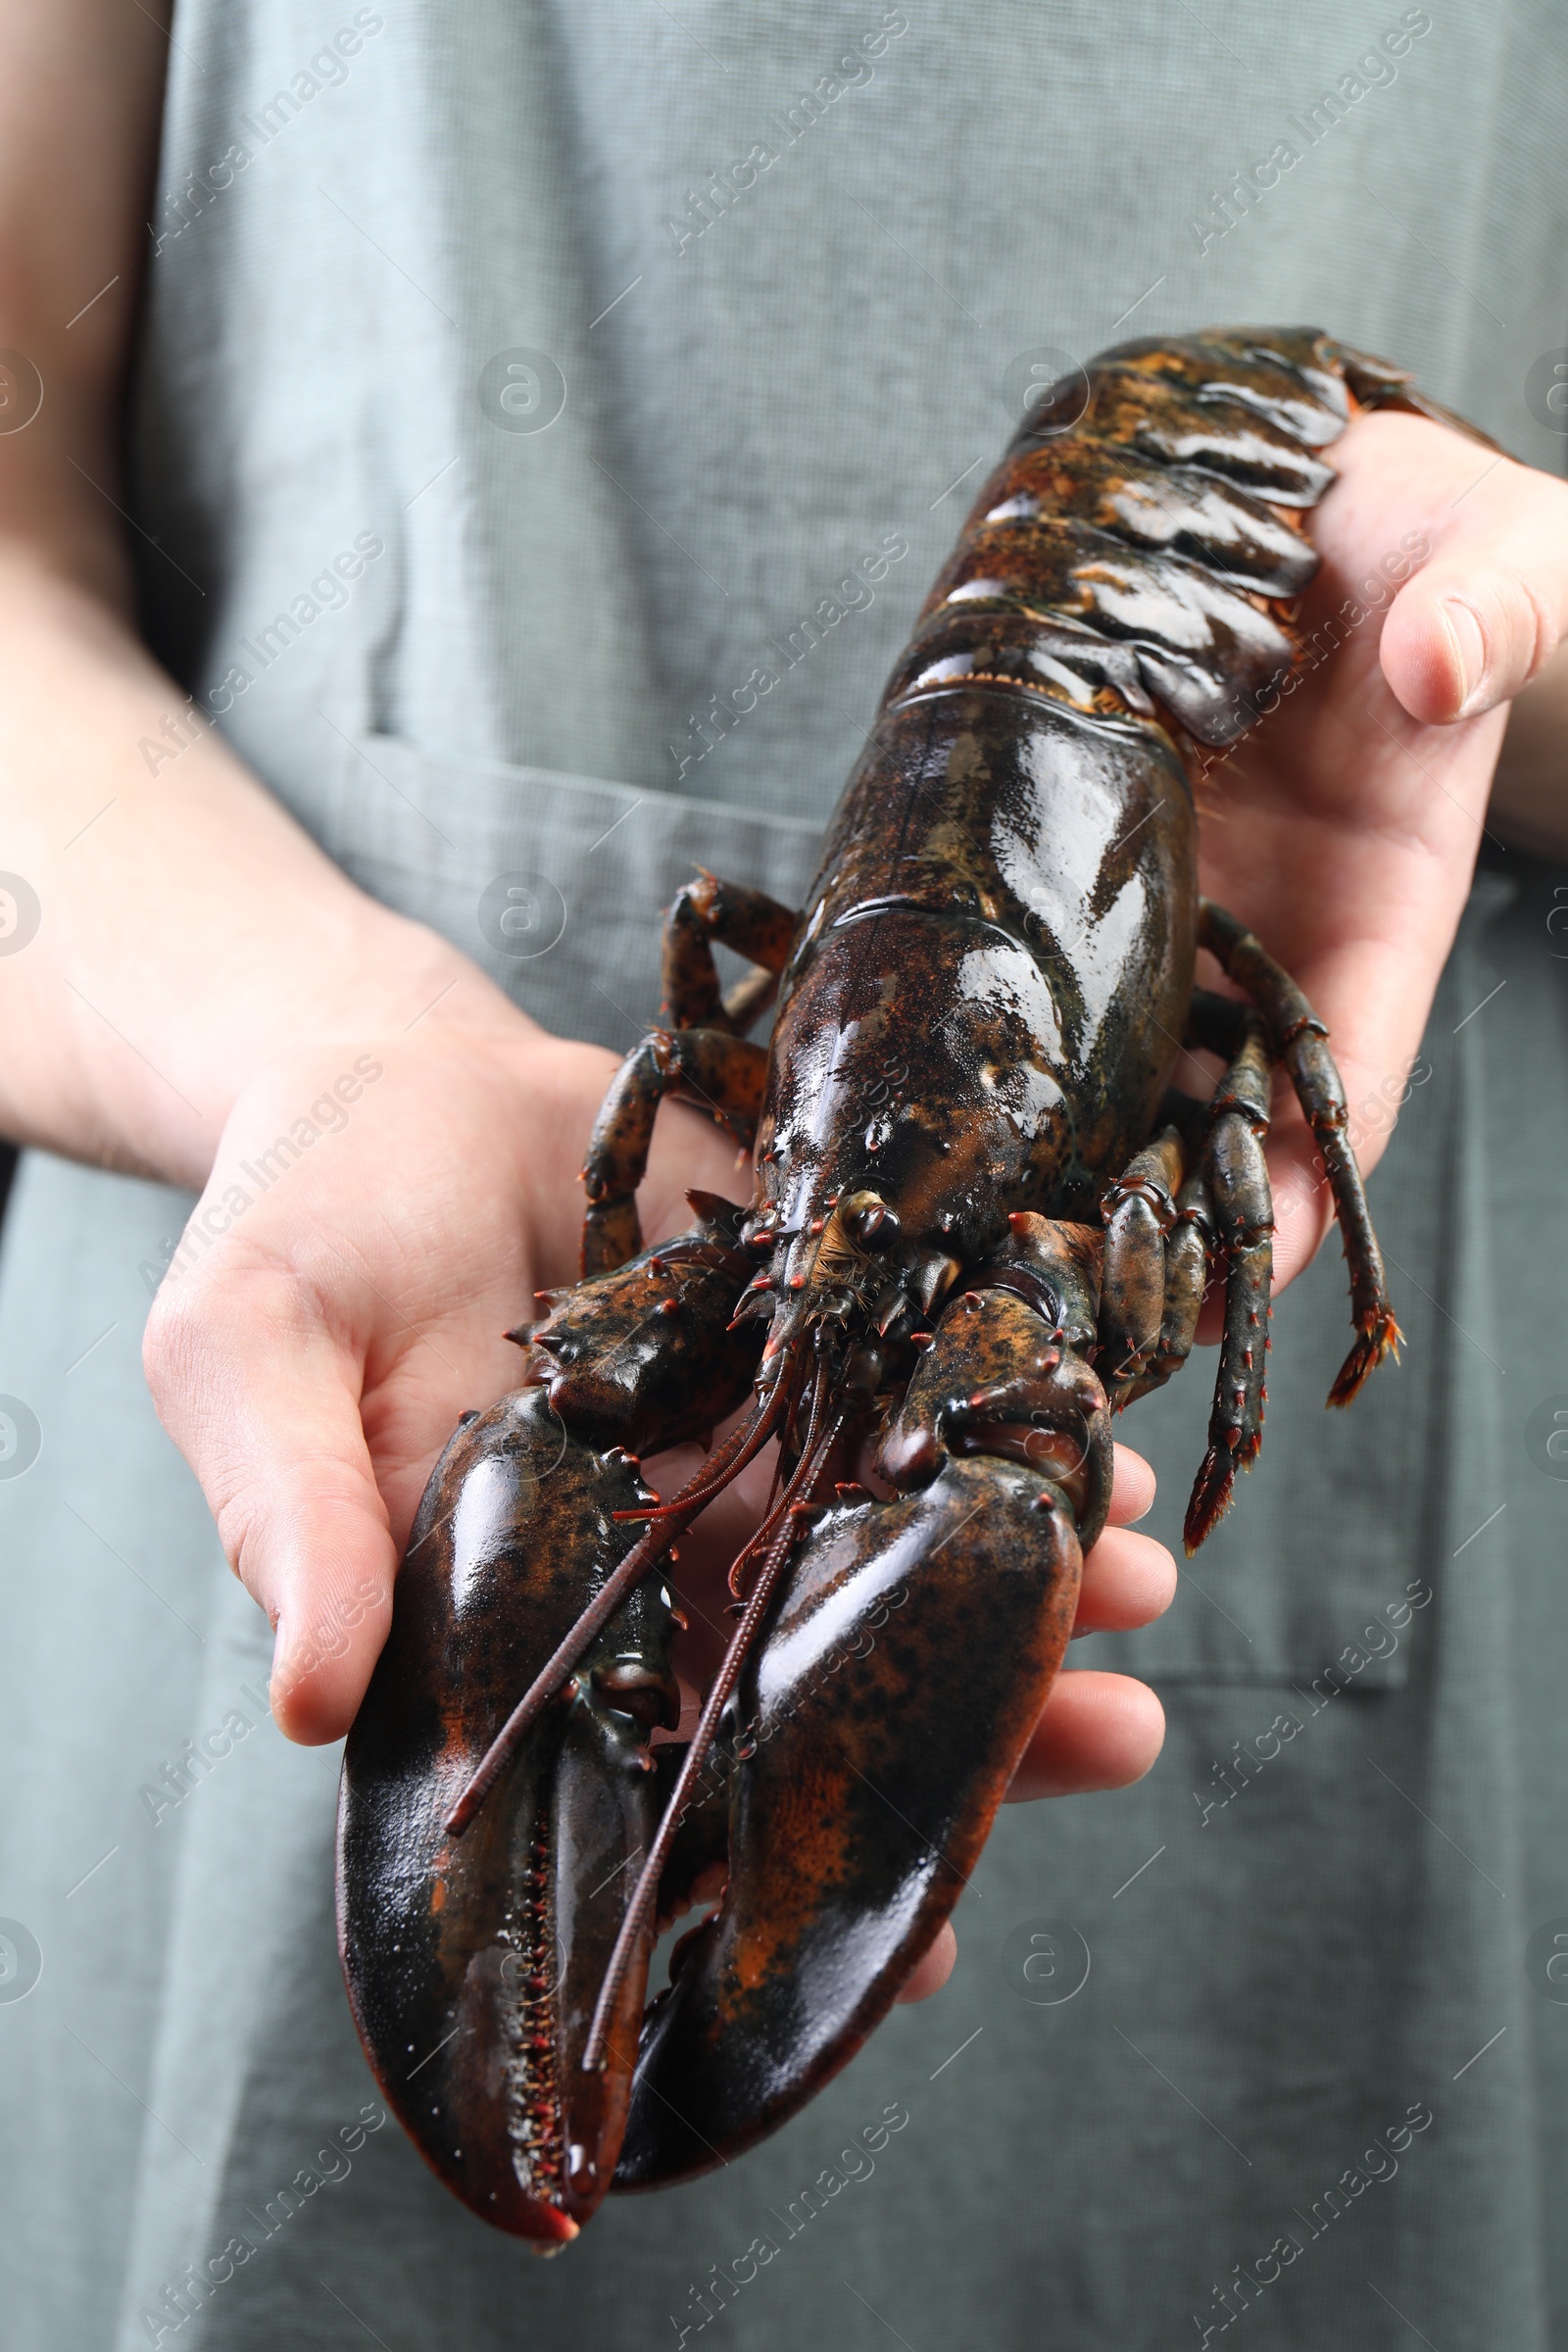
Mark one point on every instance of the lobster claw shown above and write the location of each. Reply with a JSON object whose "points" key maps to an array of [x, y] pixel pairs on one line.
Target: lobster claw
{"points": [[473, 1964], [477, 1931], [877, 1734], [866, 1777]]}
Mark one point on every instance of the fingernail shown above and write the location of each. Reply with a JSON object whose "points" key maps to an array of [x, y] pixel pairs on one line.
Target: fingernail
{"points": [[1470, 649]]}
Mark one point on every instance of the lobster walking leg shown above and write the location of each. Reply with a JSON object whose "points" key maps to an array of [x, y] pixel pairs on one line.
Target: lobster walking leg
{"points": [[1299, 1041], [1233, 1175], [1138, 1209], [753, 924], [726, 1074], [1189, 1249], [1223, 1212]]}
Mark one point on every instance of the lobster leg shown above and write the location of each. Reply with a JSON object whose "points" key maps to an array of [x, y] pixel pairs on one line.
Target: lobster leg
{"points": [[1300, 1042], [753, 924], [1138, 1212], [1189, 1246], [1234, 1177], [1222, 1213], [725, 1074], [869, 1767]]}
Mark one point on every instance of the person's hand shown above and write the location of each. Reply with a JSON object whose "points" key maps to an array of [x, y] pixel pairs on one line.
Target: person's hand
{"points": [[1344, 829], [313, 1358]]}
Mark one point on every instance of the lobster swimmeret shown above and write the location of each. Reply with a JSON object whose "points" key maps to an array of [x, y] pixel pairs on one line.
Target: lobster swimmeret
{"points": [[981, 1222]]}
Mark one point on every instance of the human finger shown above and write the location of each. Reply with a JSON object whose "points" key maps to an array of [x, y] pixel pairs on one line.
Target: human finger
{"points": [[264, 1400], [1129, 1580], [932, 1973], [1488, 609], [1097, 1731], [1132, 1494]]}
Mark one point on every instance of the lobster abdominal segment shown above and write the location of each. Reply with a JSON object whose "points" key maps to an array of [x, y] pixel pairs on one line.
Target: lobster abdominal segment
{"points": [[981, 1222]]}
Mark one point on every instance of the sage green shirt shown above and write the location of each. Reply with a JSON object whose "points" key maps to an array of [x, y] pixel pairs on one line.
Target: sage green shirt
{"points": [[547, 420]]}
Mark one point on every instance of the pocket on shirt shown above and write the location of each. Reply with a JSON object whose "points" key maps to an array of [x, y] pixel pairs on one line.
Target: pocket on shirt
{"points": [[555, 883]]}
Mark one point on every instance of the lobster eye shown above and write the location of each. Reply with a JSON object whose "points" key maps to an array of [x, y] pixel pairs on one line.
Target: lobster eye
{"points": [[635, 1690], [877, 1226]]}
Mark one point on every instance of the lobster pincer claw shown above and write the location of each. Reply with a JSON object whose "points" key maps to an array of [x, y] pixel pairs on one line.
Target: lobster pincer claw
{"points": [[484, 1859], [472, 1963], [649, 1354], [869, 1762]]}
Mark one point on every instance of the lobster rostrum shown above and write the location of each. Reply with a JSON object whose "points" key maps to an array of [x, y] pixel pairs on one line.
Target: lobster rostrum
{"points": [[981, 1223]]}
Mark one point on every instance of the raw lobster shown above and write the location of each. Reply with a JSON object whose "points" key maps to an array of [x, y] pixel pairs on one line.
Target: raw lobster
{"points": [[981, 1223]]}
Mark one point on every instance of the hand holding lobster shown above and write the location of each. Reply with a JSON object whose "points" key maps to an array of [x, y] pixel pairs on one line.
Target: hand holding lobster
{"points": [[314, 1362], [1345, 829]]}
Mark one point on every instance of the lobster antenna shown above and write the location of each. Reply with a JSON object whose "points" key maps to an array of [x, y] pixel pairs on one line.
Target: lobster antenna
{"points": [[782, 1490], [726, 1463], [808, 1472]]}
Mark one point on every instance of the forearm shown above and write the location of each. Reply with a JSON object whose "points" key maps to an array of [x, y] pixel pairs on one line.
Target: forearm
{"points": [[188, 930], [1530, 791]]}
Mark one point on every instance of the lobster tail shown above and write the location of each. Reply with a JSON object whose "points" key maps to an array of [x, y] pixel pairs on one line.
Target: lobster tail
{"points": [[1114, 559]]}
